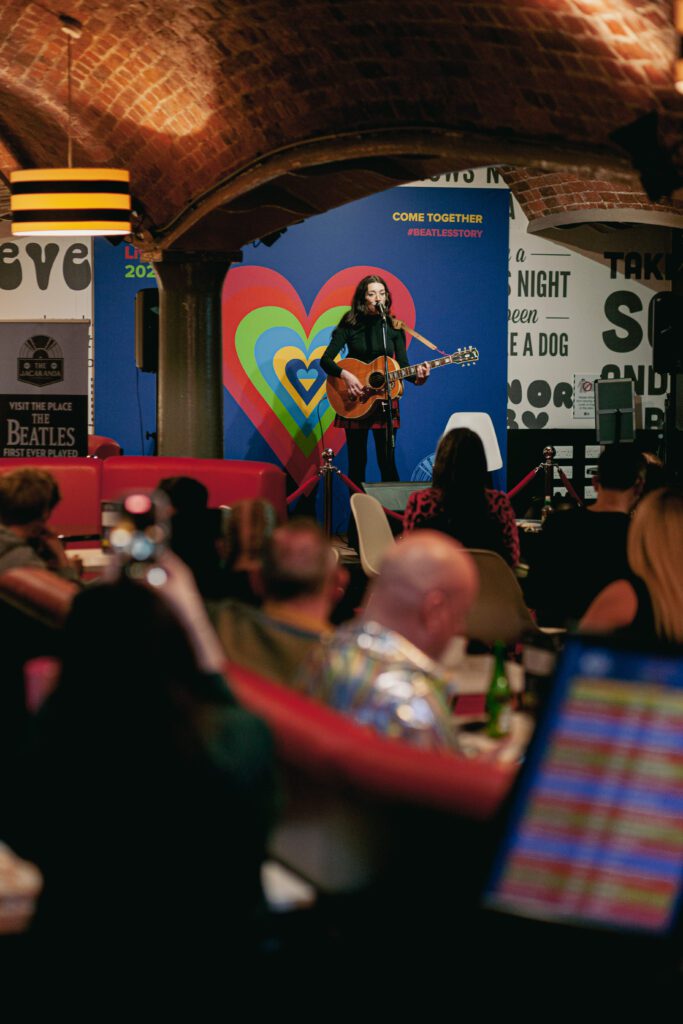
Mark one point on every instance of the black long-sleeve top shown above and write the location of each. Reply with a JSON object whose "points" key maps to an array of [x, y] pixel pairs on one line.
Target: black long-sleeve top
{"points": [[364, 341]]}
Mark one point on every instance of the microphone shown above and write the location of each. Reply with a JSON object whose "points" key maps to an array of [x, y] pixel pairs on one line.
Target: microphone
{"points": [[381, 309]]}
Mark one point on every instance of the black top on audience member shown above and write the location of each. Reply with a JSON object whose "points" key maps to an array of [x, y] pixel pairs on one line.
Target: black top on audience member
{"points": [[648, 605], [194, 532], [582, 550], [147, 796]]}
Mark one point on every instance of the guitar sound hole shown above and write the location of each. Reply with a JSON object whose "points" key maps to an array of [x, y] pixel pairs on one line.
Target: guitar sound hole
{"points": [[376, 380]]}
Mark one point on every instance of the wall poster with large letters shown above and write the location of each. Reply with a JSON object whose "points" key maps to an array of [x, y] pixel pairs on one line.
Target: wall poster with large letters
{"points": [[46, 346], [44, 388], [578, 310]]}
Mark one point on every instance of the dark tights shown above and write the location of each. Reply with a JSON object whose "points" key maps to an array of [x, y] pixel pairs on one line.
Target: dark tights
{"points": [[357, 448]]}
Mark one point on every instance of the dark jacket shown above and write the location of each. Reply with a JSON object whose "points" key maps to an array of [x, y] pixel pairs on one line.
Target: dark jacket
{"points": [[579, 553], [364, 342]]}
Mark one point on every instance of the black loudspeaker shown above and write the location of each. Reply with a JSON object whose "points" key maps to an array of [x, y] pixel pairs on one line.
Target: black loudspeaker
{"points": [[666, 332], [147, 330]]}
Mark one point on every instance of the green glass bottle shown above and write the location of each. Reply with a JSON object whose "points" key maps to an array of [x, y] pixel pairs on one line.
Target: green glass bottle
{"points": [[499, 697], [547, 509]]}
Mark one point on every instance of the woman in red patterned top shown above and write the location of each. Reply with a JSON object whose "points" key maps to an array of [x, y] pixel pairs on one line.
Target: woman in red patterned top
{"points": [[459, 502]]}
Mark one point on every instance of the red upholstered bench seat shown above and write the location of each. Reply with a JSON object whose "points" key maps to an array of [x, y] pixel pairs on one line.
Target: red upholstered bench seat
{"points": [[227, 480], [352, 795], [322, 741], [85, 483]]}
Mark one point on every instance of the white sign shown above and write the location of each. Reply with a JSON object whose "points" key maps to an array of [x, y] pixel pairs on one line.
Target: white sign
{"points": [[584, 396], [43, 388], [581, 307], [49, 279]]}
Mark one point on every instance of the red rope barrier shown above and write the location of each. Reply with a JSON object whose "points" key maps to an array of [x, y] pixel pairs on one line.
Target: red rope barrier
{"points": [[350, 484], [306, 487], [569, 487], [523, 483], [312, 478]]}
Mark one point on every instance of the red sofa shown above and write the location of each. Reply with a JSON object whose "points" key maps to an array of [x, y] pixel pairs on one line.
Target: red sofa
{"points": [[227, 480], [85, 483], [352, 796]]}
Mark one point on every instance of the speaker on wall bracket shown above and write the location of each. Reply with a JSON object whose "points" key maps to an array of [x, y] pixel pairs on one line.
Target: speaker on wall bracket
{"points": [[665, 324], [147, 330]]}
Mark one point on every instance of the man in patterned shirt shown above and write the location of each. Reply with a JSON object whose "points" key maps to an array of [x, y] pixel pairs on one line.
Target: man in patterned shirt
{"points": [[382, 670]]}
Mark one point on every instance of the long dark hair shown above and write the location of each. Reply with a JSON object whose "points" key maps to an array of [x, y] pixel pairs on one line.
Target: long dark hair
{"points": [[357, 312], [148, 675], [461, 474]]}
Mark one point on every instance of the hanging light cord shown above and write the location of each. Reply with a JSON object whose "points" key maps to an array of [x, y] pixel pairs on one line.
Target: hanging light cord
{"points": [[72, 30], [69, 150]]}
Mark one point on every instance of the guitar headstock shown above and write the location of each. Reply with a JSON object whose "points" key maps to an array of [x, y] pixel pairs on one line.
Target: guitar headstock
{"points": [[466, 356]]}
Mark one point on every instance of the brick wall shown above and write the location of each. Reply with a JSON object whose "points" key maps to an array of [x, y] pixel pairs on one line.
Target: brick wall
{"points": [[188, 93]]}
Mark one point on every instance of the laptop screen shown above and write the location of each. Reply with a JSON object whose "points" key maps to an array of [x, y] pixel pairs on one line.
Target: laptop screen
{"points": [[595, 833]]}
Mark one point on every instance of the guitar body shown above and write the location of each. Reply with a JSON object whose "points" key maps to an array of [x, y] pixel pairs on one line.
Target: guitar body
{"points": [[371, 376]]}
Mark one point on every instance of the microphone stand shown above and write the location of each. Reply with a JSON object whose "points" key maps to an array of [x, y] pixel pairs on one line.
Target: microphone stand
{"points": [[391, 437]]}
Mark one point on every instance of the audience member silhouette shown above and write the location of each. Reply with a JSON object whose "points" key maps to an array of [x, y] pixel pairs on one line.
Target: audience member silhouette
{"points": [[582, 550], [460, 502], [300, 583], [27, 498], [382, 670], [647, 605], [195, 532], [147, 792]]}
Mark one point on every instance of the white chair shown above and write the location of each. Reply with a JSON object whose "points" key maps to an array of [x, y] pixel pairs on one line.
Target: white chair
{"points": [[482, 424], [374, 532], [499, 611]]}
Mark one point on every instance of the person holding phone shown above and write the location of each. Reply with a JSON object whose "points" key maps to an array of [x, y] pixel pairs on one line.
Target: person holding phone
{"points": [[147, 793]]}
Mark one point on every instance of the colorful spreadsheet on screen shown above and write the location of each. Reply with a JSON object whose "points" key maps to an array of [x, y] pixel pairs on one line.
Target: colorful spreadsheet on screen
{"points": [[597, 829]]}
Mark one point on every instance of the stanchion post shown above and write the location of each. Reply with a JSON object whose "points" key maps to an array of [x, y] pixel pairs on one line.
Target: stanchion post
{"points": [[548, 472], [327, 468]]}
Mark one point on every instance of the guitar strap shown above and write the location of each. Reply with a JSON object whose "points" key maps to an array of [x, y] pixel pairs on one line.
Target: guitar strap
{"points": [[399, 325]]}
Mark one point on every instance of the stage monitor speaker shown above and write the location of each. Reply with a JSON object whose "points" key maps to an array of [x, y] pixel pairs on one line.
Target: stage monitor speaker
{"points": [[615, 417], [394, 495], [665, 323], [147, 330]]}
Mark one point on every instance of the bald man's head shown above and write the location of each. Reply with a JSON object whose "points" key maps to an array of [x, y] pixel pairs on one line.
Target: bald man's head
{"points": [[426, 586]]}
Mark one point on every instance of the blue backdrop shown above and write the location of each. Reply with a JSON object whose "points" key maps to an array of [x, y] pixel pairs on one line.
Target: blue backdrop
{"points": [[445, 250]]}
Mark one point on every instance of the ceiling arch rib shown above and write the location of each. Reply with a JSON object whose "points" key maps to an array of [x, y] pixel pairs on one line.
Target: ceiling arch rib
{"points": [[235, 116]]}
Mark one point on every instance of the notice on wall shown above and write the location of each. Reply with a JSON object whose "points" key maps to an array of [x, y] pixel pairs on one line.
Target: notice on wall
{"points": [[44, 388], [584, 396]]}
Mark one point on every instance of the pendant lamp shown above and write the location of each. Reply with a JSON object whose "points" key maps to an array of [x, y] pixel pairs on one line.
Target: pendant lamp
{"points": [[70, 200]]}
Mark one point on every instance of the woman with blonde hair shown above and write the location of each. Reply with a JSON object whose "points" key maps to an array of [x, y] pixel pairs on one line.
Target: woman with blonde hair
{"points": [[649, 605]]}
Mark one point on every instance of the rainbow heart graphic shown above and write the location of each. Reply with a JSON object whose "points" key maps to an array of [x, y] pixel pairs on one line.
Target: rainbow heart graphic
{"points": [[271, 356]]}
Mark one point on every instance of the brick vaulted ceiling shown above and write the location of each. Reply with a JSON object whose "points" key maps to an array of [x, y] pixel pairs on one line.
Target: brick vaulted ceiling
{"points": [[238, 117]]}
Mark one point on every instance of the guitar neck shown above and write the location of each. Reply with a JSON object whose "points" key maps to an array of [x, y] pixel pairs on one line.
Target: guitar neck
{"points": [[408, 371]]}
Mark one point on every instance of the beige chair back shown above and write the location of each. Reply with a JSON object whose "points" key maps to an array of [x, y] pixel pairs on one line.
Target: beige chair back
{"points": [[499, 612], [374, 532]]}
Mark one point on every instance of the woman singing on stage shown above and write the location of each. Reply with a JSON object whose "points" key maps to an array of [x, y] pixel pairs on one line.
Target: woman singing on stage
{"points": [[361, 331]]}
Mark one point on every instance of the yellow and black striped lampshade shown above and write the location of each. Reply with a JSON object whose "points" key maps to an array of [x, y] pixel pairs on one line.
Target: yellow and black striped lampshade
{"points": [[70, 201]]}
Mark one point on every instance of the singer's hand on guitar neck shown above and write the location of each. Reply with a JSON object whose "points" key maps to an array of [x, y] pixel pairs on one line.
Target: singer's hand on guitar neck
{"points": [[421, 373], [353, 385]]}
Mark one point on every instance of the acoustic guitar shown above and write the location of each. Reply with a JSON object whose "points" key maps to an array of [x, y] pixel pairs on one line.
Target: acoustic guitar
{"points": [[371, 376]]}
